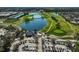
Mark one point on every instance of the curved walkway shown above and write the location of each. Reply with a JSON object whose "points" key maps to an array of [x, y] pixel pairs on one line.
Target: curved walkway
{"points": [[49, 28]]}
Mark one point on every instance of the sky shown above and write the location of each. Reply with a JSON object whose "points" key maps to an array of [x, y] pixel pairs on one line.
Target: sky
{"points": [[39, 3]]}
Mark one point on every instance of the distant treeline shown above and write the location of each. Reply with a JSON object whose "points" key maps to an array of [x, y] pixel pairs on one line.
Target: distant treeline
{"points": [[48, 9]]}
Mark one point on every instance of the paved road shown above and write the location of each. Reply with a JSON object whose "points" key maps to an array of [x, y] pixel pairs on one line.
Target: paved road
{"points": [[39, 45]]}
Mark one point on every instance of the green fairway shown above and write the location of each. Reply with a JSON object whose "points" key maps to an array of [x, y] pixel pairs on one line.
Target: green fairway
{"points": [[51, 26], [51, 23], [58, 32], [64, 25], [65, 28]]}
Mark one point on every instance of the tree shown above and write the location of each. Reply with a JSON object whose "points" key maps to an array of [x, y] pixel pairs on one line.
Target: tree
{"points": [[76, 36], [26, 19], [76, 48], [58, 25]]}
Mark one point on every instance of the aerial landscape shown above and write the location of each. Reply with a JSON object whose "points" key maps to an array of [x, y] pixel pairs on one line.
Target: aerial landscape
{"points": [[30, 29]]}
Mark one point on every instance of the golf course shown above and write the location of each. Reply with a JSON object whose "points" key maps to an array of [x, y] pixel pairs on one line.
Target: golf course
{"points": [[55, 24]]}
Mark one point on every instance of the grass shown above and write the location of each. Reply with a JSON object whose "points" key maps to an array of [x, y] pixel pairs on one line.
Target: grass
{"points": [[51, 26], [10, 21], [65, 26], [49, 22], [16, 22], [71, 29], [58, 32]]}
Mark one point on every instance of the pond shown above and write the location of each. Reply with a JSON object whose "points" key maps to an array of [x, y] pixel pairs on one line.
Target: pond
{"points": [[36, 24]]}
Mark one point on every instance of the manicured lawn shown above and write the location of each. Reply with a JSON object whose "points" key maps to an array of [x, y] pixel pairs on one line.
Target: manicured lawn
{"points": [[51, 23], [51, 26], [71, 29], [16, 22], [65, 27], [58, 32]]}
